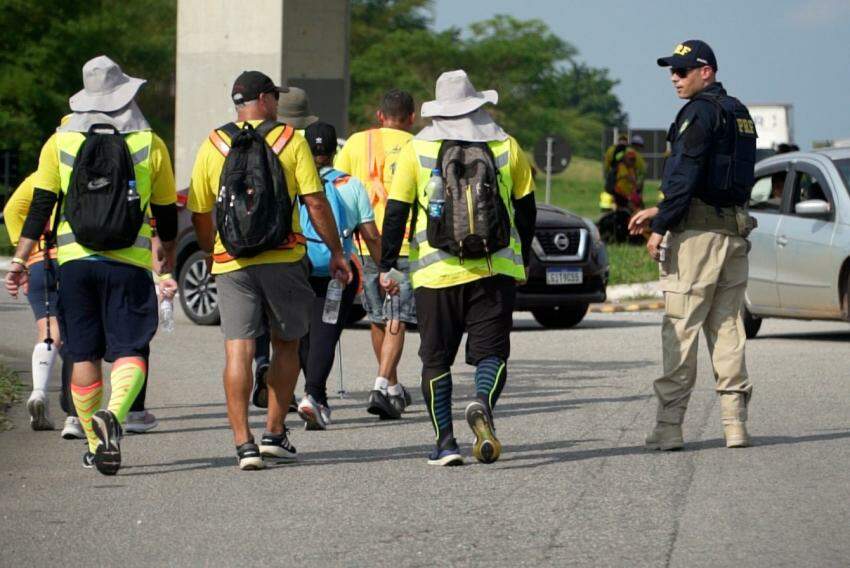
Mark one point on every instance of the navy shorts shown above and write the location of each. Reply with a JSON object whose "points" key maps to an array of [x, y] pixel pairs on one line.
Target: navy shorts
{"points": [[107, 310], [37, 286]]}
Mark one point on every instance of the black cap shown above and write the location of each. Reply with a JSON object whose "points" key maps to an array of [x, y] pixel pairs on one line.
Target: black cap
{"points": [[689, 54], [251, 84], [321, 137]]}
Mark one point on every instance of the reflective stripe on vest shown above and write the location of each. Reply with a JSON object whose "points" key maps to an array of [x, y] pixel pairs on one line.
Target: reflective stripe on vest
{"points": [[139, 144], [436, 268]]}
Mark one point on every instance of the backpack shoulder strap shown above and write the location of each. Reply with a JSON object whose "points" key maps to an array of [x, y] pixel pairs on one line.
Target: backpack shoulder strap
{"points": [[265, 127], [332, 175], [283, 138], [218, 141], [375, 159]]}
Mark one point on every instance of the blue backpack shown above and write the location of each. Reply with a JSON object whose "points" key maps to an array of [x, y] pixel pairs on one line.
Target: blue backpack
{"points": [[317, 250]]}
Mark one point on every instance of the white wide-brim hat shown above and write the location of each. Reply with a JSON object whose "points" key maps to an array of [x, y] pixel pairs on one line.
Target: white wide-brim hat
{"points": [[105, 87], [455, 96]]}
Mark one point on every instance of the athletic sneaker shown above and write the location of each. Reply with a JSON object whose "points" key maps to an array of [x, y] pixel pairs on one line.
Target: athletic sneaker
{"points": [[487, 447], [37, 407], [107, 455], [140, 422], [325, 411], [73, 430], [380, 405], [248, 457], [88, 460], [309, 411], [402, 401], [278, 446], [447, 456], [260, 398]]}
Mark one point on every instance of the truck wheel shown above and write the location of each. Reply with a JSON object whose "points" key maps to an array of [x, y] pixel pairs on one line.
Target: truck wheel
{"points": [[198, 294], [752, 323], [560, 317]]}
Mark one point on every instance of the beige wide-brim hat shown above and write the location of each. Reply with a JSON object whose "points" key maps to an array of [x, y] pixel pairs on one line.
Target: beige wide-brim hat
{"points": [[455, 96], [105, 87], [293, 108]]}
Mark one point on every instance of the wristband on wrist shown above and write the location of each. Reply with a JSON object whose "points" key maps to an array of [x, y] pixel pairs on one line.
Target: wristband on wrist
{"points": [[163, 277], [22, 262]]}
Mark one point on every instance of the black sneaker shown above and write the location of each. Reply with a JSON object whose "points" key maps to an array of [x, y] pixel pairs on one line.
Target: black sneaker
{"points": [[88, 460], [401, 401], [380, 405], [448, 455], [248, 457], [107, 456], [260, 398], [487, 447], [278, 446]]}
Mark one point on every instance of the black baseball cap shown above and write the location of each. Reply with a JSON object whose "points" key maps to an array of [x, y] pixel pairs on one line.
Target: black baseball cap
{"points": [[690, 54], [251, 84], [321, 137]]}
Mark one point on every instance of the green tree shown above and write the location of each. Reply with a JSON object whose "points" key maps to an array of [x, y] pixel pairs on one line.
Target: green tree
{"points": [[543, 87], [45, 44]]}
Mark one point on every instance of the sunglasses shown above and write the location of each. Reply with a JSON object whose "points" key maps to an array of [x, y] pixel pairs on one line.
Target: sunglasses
{"points": [[275, 94], [681, 72]]}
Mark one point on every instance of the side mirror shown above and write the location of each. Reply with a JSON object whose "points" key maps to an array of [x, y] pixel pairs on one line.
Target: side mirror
{"points": [[812, 208]]}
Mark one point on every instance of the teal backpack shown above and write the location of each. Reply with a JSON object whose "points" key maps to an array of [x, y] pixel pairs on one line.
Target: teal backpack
{"points": [[317, 251]]}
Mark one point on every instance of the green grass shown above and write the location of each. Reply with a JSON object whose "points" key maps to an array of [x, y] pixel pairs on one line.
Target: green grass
{"points": [[11, 391], [6, 248], [631, 264], [578, 189]]}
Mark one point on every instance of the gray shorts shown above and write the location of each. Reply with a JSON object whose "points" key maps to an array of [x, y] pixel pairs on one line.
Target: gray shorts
{"points": [[281, 291], [373, 296]]}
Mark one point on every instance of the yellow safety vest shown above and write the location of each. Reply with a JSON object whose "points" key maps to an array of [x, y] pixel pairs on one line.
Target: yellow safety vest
{"points": [[69, 144], [436, 268]]}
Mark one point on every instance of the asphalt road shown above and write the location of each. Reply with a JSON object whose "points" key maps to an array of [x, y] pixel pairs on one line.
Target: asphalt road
{"points": [[574, 485]]}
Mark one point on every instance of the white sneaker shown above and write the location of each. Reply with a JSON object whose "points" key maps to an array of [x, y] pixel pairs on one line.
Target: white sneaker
{"points": [[309, 411], [37, 408], [325, 411], [73, 430], [140, 422]]}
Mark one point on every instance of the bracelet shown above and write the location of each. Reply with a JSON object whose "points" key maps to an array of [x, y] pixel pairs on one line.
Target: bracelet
{"points": [[165, 276], [22, 262]]}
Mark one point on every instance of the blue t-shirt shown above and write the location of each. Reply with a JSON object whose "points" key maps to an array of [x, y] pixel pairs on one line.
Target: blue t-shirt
{"points": [[355, 199]]}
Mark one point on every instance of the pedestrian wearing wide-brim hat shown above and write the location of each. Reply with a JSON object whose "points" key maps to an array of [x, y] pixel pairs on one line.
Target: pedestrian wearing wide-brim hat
{"points": [[456, 293]]}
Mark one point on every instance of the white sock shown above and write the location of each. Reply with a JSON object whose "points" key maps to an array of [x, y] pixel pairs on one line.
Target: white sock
{"points": [[395, 390], [381, 384], [42, 365]]}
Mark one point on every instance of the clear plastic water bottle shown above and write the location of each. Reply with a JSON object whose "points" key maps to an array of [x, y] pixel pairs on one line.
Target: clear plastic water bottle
{"points": [[166, 315], [333, 299], [436, 192]]}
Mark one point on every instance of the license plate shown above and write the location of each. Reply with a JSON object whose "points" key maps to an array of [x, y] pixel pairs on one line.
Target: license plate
{"points": [[560, 276]]}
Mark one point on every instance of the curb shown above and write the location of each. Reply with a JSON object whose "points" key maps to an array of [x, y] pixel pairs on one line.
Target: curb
{"points": [[646, 305]]}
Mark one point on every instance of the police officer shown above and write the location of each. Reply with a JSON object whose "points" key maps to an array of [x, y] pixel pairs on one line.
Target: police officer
{"points": [[706, 184]]}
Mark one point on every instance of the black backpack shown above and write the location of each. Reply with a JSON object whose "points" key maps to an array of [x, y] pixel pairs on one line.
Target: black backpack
{"points": [[474, 222], [616, 159], [102, 204], [253, 211]]}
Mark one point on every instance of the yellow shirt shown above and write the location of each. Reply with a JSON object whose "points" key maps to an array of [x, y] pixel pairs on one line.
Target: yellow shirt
{"points": [[16, 209], [353, 159], [163, 189], [406, 180], [301, 179]]}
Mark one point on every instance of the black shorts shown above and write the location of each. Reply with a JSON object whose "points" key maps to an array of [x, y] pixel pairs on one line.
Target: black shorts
{"points": [[483, 308], [107, 310]]}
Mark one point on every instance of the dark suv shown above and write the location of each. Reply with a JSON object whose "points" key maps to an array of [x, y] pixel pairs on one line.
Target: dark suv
{"points": [[567, 272]]}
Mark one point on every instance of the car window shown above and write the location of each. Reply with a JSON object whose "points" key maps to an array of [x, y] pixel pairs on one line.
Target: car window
{"points": [[767, 192], [807, 187], [843, 167]]}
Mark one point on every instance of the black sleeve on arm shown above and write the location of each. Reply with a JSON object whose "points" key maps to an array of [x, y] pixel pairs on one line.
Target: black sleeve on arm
{"points": [[686, 171], [525, 218], [166, 221], [392, 233], [41, 207]]}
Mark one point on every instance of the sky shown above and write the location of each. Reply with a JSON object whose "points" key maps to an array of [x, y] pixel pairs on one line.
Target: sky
{"points": [[768, 51]]}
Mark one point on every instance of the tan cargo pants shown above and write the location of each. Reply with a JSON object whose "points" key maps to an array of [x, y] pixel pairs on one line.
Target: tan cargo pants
{"points": [[704, 278]]}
